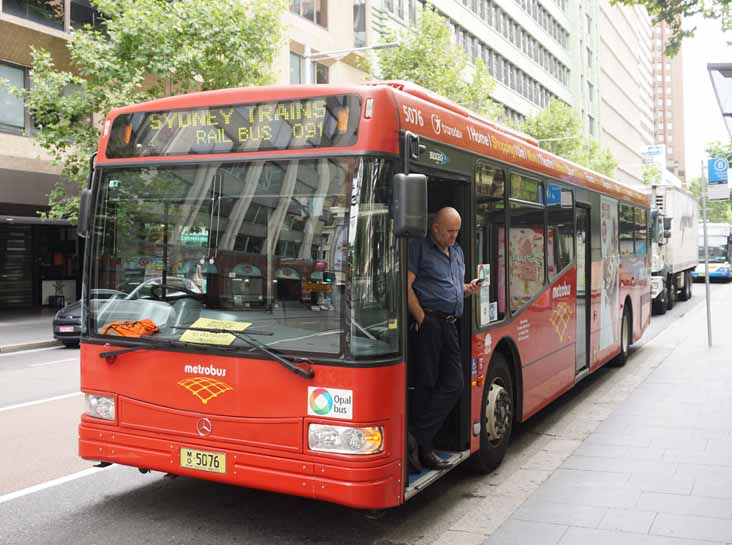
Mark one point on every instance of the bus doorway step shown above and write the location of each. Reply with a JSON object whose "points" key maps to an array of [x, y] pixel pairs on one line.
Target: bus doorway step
{"points": [[419, 480]]}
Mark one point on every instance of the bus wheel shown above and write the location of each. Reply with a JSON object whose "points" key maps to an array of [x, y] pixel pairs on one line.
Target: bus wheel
{"points": [[498, 413], [625, 335]]}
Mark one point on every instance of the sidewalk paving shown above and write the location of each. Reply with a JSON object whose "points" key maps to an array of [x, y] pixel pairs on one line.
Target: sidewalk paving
{"points": [[26, 329], [650, 463]]}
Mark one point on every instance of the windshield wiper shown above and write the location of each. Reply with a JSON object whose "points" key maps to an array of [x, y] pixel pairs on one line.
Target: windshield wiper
{"points": [[246, 337], [111, 355]]}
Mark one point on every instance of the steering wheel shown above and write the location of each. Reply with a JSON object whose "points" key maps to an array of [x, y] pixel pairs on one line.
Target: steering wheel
{"points": [[155, 291]]}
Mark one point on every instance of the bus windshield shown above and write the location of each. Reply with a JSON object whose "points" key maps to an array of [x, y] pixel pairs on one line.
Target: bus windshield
{"points": [[300, 253], [717, 254]]}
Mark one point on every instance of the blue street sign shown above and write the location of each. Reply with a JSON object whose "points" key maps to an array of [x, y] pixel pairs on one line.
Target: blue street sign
{"points": [[717, 169]]}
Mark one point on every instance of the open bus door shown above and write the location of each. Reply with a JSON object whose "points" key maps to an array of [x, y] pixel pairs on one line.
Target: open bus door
{"points": [[453, 441], [584, 288]]}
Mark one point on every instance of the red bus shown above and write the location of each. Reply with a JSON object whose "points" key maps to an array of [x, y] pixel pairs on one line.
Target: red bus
{"points": [[257, 240]]}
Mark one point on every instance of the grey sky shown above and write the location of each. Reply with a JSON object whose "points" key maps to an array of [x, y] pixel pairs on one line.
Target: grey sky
{"points": [[702, 118]]}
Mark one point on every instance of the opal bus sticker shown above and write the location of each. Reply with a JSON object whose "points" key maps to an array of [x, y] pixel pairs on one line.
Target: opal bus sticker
{"points": [[330, 403]]}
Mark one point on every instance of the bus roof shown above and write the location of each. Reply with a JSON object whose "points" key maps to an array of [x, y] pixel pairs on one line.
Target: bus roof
{"points": [[397, 106]]}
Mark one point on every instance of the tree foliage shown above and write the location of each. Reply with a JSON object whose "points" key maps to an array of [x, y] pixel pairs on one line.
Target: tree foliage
{"points": [[428, 57], [651, 174], [717, 211], [676, 12], [560, 128], [146, 49]]}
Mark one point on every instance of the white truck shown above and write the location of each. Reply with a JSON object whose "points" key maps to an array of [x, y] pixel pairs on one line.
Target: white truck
{"points": [[674, 245]]}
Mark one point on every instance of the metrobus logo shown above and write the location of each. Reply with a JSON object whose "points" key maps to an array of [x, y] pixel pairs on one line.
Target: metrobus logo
{"points": [[561, 291], [330, 402], [208, 370]]}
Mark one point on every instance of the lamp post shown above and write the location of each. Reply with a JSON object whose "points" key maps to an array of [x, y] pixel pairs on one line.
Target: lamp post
{"points": [[309, 56], [721, 76]]}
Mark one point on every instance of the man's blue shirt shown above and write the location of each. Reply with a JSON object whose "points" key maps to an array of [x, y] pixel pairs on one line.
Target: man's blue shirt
{"points": [[439, 283]]}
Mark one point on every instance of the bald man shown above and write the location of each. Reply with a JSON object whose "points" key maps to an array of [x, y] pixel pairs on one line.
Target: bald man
{"points": [[435, 290]]}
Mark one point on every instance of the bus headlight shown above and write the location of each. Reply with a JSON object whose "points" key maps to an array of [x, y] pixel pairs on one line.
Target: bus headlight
{"points": [[345, 439], [100, 406]]}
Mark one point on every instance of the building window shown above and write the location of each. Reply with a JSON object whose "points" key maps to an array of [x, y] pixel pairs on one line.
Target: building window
{"points": [[359, 23], [83, 13], [12, 110], [49, 13], [297, 70], [312, 10]]}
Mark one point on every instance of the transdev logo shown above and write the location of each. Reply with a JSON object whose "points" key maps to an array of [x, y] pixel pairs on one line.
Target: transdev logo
{"points": [[330, 403], [321, 402]]}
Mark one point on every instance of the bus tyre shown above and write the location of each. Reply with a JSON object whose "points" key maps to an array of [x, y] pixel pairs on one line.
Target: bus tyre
{"points": [[625, 336], [497, 411]]}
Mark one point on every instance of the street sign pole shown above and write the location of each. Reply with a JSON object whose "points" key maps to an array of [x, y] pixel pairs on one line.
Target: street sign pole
{"points": [[705, 184]]}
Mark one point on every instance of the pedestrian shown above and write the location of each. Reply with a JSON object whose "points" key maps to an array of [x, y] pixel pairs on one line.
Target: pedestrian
{"points": [[435, 289]]}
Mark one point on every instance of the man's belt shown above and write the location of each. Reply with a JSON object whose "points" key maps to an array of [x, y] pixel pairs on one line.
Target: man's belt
{"points": [[449, 318]]}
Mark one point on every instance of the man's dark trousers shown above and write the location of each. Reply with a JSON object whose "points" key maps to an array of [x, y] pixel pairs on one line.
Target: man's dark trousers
{"points": [[438, 376]]}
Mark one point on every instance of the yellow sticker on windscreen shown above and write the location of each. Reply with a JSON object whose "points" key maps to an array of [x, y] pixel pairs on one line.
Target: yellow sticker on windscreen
{"points": [[192, 335]]}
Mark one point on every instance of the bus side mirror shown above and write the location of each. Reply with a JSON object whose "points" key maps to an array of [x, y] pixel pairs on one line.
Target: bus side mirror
{"points": [[409, 205], [667, 224], [85, 200], [666, 234]]}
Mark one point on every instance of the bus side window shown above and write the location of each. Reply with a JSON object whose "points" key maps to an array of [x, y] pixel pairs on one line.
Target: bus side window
{"points": [[641, 232], [625, 214], [560, 241], [526, 241], [490, 243]]}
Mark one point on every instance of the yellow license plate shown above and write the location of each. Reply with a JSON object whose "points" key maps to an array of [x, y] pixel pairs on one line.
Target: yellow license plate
{"points": [[203, 460]]}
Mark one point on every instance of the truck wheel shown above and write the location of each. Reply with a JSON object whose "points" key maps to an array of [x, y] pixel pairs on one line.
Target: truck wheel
{"points": [[670, 295], [497, 411], [685, 294], [659, 303]]}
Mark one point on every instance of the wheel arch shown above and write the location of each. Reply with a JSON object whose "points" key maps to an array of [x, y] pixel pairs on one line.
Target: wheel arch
{"points": [[507, 348], [628, 303]]}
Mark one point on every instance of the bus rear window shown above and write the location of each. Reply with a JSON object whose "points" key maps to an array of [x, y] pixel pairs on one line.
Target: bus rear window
{"points": [[308, 123]]}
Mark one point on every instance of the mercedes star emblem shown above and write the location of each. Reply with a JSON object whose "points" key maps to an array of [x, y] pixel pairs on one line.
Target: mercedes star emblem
{"points": [[204, 427]]}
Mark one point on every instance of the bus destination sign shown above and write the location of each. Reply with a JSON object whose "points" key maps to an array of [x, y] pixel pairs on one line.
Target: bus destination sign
{"points": [[318, 122]]}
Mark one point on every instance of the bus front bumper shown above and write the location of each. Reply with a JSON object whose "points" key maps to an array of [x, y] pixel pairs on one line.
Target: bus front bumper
{"points": [[374, 487]]}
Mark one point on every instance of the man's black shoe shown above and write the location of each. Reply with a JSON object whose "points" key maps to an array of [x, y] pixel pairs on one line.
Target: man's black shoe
{"points": [[413, 453], [430, 459]]}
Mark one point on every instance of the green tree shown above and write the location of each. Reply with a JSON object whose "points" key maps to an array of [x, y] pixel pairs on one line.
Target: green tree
{"points": [[559, 129], [428, 57], [717, 211], [146, 49], [719, 149], [677, 12], [651, 174]]}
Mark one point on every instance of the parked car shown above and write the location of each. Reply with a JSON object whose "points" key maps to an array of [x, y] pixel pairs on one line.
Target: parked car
{"points": [[67, 322]]}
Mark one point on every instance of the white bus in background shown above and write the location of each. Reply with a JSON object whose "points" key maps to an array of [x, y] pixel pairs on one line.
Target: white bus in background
{"points": [[719, 242]]}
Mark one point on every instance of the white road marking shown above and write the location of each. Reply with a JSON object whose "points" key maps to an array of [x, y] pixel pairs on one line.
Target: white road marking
{"points": [[38, 402], [52, 362], [21, 352], [49, 484]]}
